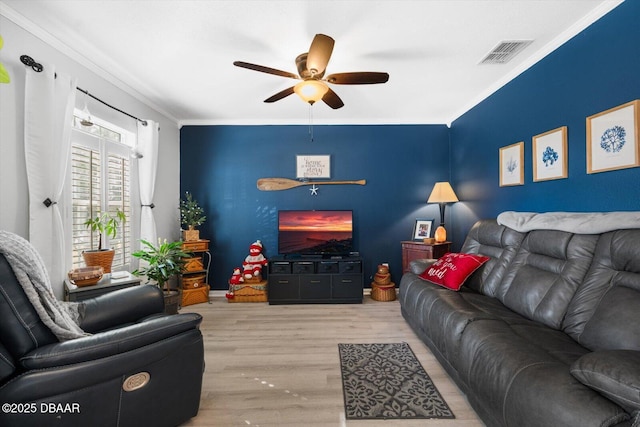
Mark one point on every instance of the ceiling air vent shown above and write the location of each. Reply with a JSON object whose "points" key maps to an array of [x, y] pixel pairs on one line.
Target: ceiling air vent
{"points": [[505, 51]]}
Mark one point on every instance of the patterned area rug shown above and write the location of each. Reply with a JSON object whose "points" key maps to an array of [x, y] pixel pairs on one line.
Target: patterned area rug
{"points": [[386, 381]]}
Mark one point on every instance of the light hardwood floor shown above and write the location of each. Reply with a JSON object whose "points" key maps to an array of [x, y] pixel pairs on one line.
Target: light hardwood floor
{"points": [[277, 365]]}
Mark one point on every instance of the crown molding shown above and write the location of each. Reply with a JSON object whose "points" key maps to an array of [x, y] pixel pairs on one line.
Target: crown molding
{"points": [[46, 37], [537, 56]]}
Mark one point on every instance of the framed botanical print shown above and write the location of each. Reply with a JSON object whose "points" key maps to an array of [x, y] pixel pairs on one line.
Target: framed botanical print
{"points": [[549, 155], [512, 164], [612, 138]]}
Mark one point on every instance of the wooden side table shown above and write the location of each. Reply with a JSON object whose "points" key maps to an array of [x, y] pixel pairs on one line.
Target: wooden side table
{"points": [[107, 284], [420, 250]]}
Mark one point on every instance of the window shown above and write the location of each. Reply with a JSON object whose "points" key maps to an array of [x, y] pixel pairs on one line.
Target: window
{"points": [[100, 182]]}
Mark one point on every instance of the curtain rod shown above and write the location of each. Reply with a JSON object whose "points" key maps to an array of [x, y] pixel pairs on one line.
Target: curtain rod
{"points": [[37, 67]]}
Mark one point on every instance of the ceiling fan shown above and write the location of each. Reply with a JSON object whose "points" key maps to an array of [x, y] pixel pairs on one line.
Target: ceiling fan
{"points": [[311, 67]]}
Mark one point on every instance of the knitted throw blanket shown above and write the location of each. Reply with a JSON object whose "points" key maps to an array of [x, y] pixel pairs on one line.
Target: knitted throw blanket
{"points": [[61, 317], [572, 222]]}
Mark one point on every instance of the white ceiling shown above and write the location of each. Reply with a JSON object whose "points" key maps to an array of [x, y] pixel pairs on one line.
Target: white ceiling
{"points": [[178, 54]]}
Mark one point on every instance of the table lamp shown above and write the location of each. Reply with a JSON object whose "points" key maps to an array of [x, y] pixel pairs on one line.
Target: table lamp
{"points": [[442, 193]]}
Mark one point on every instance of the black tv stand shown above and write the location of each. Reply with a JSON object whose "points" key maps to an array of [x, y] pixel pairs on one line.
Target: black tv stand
{"points": [[314, 280]]}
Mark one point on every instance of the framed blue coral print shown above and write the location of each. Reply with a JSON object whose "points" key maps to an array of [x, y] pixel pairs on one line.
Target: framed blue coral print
{"points": [[550, 155], [612, 139], [512, 164]]}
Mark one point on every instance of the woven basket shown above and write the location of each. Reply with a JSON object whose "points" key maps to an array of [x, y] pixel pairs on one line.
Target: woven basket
{"points": [[195, 245], [85, 276], [193, 264], [249, 293], [193, 282], [190, 235], [382, 279], [195, 296], [102, 258], [383, 293]]}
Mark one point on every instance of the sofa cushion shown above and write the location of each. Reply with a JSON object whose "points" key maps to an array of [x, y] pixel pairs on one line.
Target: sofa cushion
{"points": [[452, 269], [437, 312], [500, 243], [518, 368], [603, 314], [545, 274], [613, 373]]}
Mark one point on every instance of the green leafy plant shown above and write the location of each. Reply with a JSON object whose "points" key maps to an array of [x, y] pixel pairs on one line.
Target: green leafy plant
{"points": [[106, 224], [4, 74], [164, 260], [191, 214]]}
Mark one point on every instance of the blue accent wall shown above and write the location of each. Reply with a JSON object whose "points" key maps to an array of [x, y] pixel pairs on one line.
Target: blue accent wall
{"points": [[596, 70], [220, 165]]}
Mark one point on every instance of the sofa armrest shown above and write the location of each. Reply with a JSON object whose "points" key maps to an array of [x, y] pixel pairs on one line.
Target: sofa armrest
{"points": [[418, 266], [613, 373], [109, 343], [120, 307]]}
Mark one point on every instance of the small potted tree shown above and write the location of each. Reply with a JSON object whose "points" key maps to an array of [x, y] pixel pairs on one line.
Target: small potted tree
{"points": [[104, 224], [163, 262], [191, 216]]}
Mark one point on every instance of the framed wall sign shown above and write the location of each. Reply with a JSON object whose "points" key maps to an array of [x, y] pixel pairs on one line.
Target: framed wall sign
{"points": [[512, 164], [312, 166], [550, 155], [612, 138]]}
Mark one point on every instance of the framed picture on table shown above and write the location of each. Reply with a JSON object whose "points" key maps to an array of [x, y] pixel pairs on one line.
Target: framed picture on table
{"points": [[422, 229]]}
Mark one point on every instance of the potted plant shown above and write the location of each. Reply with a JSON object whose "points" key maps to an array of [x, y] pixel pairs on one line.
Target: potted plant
{"points": [[162, 263], [191, 216], [104, 224]]}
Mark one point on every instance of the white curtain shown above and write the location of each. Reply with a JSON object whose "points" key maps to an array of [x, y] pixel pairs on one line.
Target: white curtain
{"points": [[147, 167], [49, 103]]}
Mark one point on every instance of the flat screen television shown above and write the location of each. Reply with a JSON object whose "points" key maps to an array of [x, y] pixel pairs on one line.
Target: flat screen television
{"points": [[325, 232]]}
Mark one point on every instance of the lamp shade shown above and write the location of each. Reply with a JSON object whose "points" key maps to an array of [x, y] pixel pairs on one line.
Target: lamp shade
{"points": [[311, 91], [442, 193]]}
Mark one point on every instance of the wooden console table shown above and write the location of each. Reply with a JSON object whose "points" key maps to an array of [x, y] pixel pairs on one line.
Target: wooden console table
{"points": [[421, 250]]}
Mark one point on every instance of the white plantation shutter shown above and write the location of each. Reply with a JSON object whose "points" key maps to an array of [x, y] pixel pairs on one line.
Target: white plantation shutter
{"points": [[85, 194], [118, 198], [100, 181]]}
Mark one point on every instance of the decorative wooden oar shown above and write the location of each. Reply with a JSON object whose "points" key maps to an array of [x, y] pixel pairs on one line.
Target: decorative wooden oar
{"points": [[275, 184]]}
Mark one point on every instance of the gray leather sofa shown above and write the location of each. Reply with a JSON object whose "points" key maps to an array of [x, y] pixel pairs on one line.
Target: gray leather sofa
{"points": [[546, 333]]}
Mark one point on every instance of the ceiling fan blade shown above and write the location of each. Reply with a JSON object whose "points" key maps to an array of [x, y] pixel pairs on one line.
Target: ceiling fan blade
{"points": [[332, 100], [264, 69], [278, 96], [319, 54], [357, 78]]}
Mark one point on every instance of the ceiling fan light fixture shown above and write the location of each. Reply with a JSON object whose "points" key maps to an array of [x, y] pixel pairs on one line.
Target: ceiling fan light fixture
{"points": [[311, 91]]}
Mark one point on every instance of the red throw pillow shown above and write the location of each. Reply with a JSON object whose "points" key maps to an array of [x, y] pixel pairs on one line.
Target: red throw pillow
{"points": [[453, 269]]}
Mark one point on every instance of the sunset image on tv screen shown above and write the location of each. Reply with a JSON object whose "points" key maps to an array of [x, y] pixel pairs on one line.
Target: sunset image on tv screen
{"points": [[315, 231]]}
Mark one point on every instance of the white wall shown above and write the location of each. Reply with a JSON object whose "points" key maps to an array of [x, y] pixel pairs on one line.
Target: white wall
{"points": [[20, 38]]}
